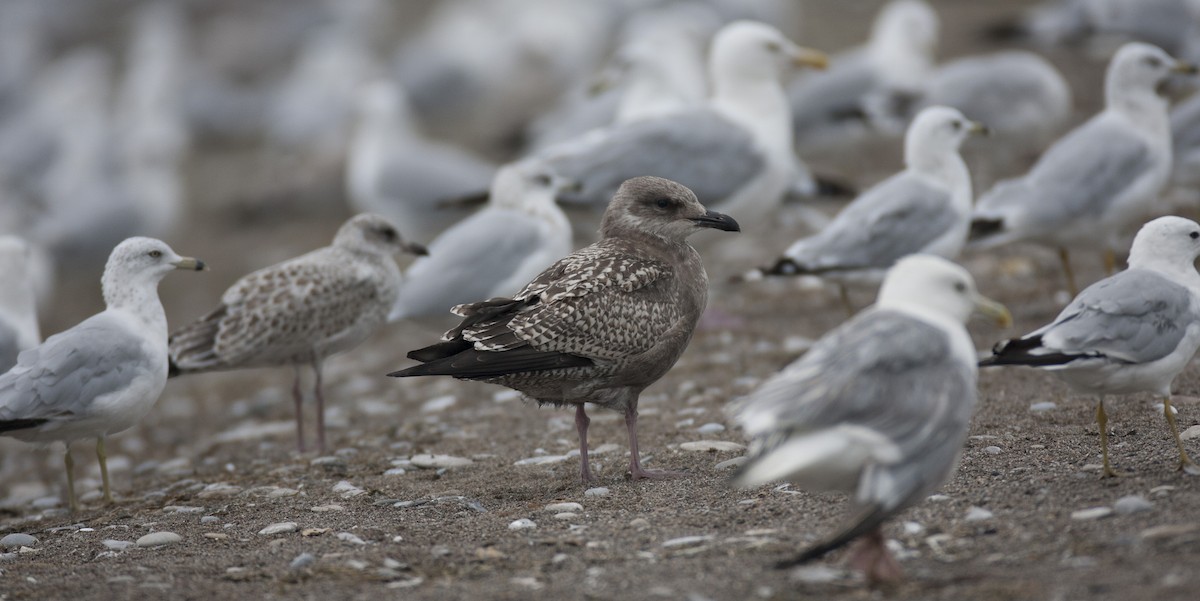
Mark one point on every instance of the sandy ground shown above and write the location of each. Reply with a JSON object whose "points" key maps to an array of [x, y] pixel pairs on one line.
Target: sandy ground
{"points": [[214, 462]]}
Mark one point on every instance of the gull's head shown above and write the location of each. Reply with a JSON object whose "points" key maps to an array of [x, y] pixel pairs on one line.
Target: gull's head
{"points": [[528, 183], [374, 235], [14, 259], [139, 262], [906, 26], [1174, 241], [1139, 67], [660, 208], [753, 50], [380, 100], [928, 284], [939, 129]]}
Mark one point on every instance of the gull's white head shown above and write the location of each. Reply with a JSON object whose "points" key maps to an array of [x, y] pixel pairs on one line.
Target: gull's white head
{"points": [[904, 39], [372, 234], [137, 264], [16, 274], [938, 131], [931, 285], [1139, 69], [1169, 241], [526, 185], [383, 100], [752, 50]]}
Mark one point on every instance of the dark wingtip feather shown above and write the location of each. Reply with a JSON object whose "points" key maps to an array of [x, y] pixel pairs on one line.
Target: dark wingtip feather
{"points": [[1006, 31], [982, 228], [440, 350], [172, 368], [830, 187], [10, 425]]}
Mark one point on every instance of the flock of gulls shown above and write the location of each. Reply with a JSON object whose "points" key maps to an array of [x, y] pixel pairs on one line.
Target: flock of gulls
{"points": [[700, 104]]}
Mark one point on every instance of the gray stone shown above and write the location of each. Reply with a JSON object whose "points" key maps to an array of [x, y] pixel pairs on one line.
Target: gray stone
{"points": [[17, 540], [209, 519], [598, 491], [350, 538], [711, 428], [302, 561], [522, 524], [1092, 513], [978, 514], [1132, 504], [1043, 407], [116, 545], [712, 445], [992, 450], [732, 463], [561, 507], [279, 528], [158, 539], [428, 461]]}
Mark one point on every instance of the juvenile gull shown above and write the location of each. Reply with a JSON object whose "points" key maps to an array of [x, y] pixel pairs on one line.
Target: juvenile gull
{"points": [[18, 309], [736, 152], [600, 325], [101, 376], [924, 209], [879, 407], [1132, 332], [494, 252], [1100, 178], [300, 311]]}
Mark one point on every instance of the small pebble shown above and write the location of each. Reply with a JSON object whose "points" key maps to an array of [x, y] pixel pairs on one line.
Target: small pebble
{"points": [[913, 528], [639, 523], [522, 524], [17, 540], [684, 541], [1093, 513], [712, 445], [711, 428], [561, 507], [598, 491], [302, 561], [732, 463], [566, 515], [817, 574], [1132, 504], [279, 528], [1190, 433], [978, 514], [992, 450], [329, 507], [350, 538], [158, 539], [427, 461], [216, 535], [396, 471], [209, 519], [438, 404], [116, 545], [1043, 407], [541, 460]]}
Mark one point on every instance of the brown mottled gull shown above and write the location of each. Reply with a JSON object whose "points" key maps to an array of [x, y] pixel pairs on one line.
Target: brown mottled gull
{"points": [[101, 376], [300, 311], [600, 325]]}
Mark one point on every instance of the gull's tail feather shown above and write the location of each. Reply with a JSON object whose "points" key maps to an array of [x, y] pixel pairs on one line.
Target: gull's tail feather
{"points": [[190, 348]]}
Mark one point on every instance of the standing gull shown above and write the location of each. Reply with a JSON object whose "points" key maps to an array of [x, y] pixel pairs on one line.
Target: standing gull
{"points": [[300, 311], [600, 325], [1100, 178], [736, 152], [924, 209], [1132, 332], [879, 407], [494, 252], [18, 309], [101, 376]]}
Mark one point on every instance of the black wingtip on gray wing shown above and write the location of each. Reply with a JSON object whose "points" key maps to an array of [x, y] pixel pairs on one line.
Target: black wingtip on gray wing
{"points": [[472, 364], [10, 425], [1018, 351], [982, 228]]}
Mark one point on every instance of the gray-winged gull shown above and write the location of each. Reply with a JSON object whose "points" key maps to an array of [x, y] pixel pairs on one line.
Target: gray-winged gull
{"points": [[924, 209], [1100, 178], [101, 376], [878, 408], [18, 305], [736, 152], [1132, 332], [600, 325], [495, 251], [395, 171], [300, 311]]}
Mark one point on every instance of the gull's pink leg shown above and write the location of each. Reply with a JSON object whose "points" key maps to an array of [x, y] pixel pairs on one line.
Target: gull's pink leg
{"points": [[635, 461], [298, 399], [581, 426]]}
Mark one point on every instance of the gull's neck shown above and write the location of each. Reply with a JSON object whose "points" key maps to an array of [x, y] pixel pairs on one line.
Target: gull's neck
{"points": [[1142, 106], [942, 165], [1181, 271], [960, 341], [137, 297], [759, 104]]}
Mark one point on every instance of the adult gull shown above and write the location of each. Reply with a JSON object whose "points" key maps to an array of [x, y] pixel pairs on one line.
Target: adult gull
{"points": [[878, 408], [1132, 332]]}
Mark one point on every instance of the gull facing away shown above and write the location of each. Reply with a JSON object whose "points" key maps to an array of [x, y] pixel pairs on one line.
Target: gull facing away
{"points": [[598, 326], [18, 307], [495, 251], [736, 152], [924, 209], [1131, 332], [103, 375], [300, 311], [879, 408], [1101, 178]]}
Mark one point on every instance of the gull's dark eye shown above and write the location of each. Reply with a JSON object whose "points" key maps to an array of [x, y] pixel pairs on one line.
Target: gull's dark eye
{"points": [[155, 254], [960, 287], [389, 234], [957, 125], [663, 203], [1153, 62], [1194, 235], [542, 180], [774, 46]]}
